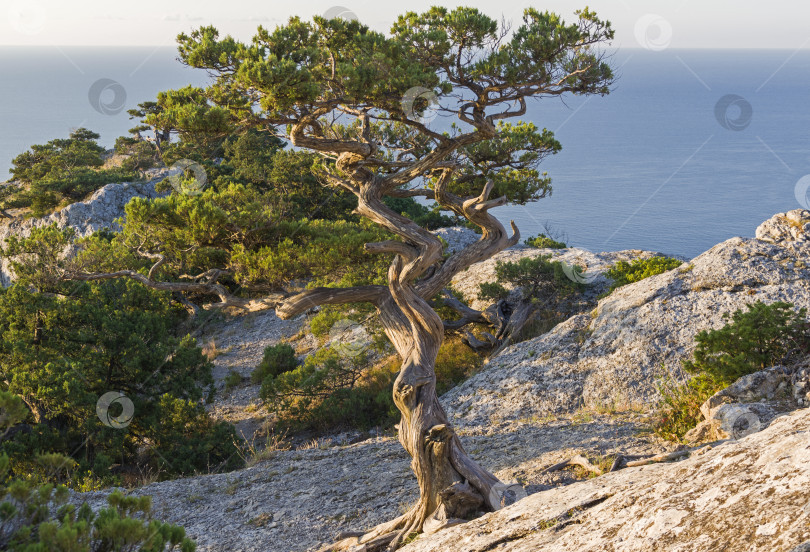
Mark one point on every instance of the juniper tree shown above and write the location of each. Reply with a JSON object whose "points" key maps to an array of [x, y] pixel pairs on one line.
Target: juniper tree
{"points": [[362, 101]]}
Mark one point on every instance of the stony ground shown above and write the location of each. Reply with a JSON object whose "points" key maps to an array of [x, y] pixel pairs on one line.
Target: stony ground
{"points": [[300, 498], [747, 495], [236, 344]]}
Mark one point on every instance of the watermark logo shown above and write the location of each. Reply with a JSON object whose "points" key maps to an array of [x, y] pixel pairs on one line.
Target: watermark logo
{"points": [[802, 191], [348, 338], [740, 422], [108, 404], [339, 12], [578, 274], [420, 104], [505, 494], [27, 17], [107, 96], [653, 32], [187, 177], [733, 112]]}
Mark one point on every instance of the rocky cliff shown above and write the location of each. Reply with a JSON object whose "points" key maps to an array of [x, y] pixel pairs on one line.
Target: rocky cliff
{"points": [[612, 357], [98, 211]]}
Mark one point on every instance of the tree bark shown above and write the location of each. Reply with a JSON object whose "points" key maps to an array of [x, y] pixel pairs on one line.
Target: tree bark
{"points": [[452, 486]]}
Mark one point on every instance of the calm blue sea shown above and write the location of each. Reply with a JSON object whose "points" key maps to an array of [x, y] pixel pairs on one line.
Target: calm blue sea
{"points": [[655, 165]]}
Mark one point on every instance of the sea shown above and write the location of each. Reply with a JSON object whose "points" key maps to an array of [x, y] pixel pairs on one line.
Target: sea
{"points": [[690, 148]]}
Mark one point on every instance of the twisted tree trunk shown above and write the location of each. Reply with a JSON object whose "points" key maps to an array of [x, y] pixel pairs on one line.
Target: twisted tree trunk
{"points": [[452, 486]]}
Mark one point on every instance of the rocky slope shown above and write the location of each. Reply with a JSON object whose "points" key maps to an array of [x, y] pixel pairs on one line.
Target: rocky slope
{"points": [[98, 211], [750, 495], [582, 388], [612, 358], [298, 499]]}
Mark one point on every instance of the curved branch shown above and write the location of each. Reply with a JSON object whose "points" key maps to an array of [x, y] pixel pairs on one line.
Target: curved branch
{"points": [[227, 300], [391, 246], [311, 298], [493, 239]]}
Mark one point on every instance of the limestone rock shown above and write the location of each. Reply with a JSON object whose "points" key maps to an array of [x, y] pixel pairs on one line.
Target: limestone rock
{"points": [[745, 406], [762, 385], [640, 333], [749, 494], [791, 226], [99, 211], [457, 237]]}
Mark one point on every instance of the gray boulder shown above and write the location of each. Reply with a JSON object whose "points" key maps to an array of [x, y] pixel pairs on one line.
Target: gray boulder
{"points": [[99, 211], [639, 334]]}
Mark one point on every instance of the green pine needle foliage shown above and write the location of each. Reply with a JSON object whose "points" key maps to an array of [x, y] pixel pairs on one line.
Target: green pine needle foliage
{"points": [[541, 241], [761, 336], [623, 273]]}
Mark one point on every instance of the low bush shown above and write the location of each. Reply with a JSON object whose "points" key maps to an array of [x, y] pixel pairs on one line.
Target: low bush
{"points": [[623, 273], [277, 359], [60, 172], [762, 336], [540, 278], [329, 391], [430, 218], [37, 518], [541, 241], [62, 353], [754, 339], [455, 363]]}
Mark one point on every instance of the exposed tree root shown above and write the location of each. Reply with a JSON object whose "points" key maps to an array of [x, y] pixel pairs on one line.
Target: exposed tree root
{"points": [[630, 460], [577, 460]]}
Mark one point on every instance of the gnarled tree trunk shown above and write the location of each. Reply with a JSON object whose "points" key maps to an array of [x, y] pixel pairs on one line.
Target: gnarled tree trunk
{"points": [[452, 486]]}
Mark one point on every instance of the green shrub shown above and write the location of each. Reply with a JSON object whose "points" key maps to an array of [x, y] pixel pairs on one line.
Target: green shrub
{"points": [[455, 363], [538, 277], [233, 379], [681, 405], [141, 154], [330, 391], [277, 359], [37, 518], [430, 218], [321, 324], [60, 172], [762, 336], [541, 241], [63, 352], [623, 273], [492, 291]]}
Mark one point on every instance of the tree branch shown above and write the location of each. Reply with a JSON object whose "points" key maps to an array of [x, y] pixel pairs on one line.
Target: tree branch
{"points": [[311, 298]]}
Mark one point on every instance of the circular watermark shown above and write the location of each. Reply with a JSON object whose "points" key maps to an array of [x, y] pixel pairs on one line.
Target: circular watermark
{"points": [[420, 104], [576, 273], [802, 191], [187, 177], [103, 407], [348, 338], [107, 96], [27, 17], [742, 423], [733, 112], [339, 12], [506, 494], [653, 32]]}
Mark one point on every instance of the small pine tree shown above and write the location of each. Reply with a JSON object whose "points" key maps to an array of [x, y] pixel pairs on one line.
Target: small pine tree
{"points": [[762, 336]]}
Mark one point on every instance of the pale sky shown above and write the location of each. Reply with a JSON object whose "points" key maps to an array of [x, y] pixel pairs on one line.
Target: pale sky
{"points": [[638, 23]]}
